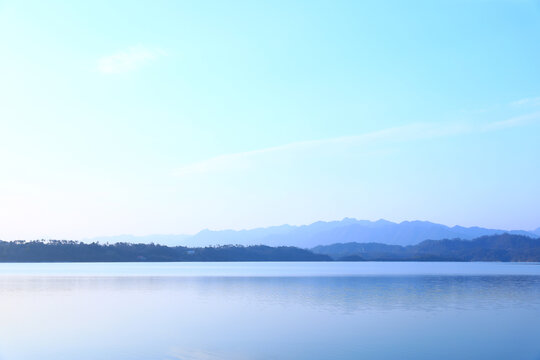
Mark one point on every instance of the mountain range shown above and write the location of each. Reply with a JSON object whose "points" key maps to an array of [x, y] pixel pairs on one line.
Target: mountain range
{"points": [[503, 247], [322, 233]]}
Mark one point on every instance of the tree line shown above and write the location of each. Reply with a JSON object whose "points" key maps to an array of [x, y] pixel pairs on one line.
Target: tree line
{"points": [[74, 251]]}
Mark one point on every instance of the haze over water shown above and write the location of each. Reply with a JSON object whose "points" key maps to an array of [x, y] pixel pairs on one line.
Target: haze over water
{"points": [[270, 311]]}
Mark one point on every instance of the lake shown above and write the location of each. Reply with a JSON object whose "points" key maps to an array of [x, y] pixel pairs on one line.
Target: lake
{"points": [[330, 310]]}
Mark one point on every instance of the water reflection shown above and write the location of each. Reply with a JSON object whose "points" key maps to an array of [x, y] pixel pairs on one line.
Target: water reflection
{"points": [[283, 317], [344, 294]]}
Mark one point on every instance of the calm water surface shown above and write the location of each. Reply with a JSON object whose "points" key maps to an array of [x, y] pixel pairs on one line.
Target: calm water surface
{"points": [[270, 311]]}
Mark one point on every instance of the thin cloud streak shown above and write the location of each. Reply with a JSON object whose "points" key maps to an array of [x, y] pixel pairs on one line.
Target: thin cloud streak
{"points": [[513, 122], [535, 101], [416, 131], [128, 60]]}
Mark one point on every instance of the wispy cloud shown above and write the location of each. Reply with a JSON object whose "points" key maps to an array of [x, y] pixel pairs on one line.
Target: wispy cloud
{"points": [[533, 101], [411, 132], [512, 122], [129, 59], [242, 159]]}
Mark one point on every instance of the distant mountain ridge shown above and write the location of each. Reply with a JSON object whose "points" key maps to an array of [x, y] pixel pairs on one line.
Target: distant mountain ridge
{"points": [[503, 247], [323, 233]]}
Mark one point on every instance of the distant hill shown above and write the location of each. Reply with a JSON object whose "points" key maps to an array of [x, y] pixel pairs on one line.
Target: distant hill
{"points": [[323, 233], [504, 247], [72, 251]]}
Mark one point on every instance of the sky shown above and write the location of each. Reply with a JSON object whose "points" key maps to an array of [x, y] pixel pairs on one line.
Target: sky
{"points": [[168, 117]]}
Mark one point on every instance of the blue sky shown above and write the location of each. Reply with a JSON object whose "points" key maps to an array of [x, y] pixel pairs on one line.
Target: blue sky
{"points": [[170, 117]]}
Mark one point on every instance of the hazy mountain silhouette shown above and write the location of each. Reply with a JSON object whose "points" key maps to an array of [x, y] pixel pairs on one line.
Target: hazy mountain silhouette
{"points": [[502, 247], [323, 233]]}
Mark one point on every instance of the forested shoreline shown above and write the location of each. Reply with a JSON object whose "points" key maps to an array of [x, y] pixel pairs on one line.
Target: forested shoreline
{"points": [[74, 251], [505, 247]]}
